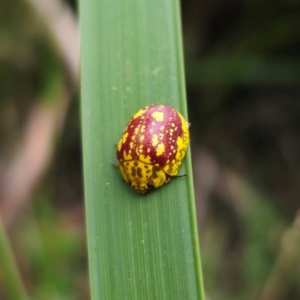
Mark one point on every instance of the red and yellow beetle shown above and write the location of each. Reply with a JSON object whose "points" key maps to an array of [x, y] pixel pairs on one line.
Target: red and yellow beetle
{"points": [[152, 147]]}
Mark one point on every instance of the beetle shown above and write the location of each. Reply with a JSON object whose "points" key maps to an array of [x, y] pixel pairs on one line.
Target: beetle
{"points": [[152, 147]]}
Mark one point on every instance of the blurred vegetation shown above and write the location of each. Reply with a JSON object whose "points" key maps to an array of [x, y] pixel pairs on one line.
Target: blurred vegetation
{"points": [[242, 69]]}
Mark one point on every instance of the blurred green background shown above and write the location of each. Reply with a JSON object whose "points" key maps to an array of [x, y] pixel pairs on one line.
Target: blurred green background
{"points": [[242, 62]]}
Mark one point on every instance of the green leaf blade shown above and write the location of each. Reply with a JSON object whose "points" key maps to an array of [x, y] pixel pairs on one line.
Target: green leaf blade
{"points": [[140, 246]]}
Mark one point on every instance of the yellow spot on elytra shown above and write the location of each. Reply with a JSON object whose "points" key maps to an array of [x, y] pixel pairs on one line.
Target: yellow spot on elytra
{"points": [[145, 159], [172, 124], [143, 129], [160, 149], [148, 150], [136, 130], [120, 145], [131, 145], [179, 143], [140, 112], [162, 128], [158, 116], [124, 137], [142, 137], [154, 140], [126, 157]]}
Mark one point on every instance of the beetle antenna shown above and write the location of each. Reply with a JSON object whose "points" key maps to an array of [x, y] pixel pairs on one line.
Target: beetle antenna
{"points": [[178, 176]]}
